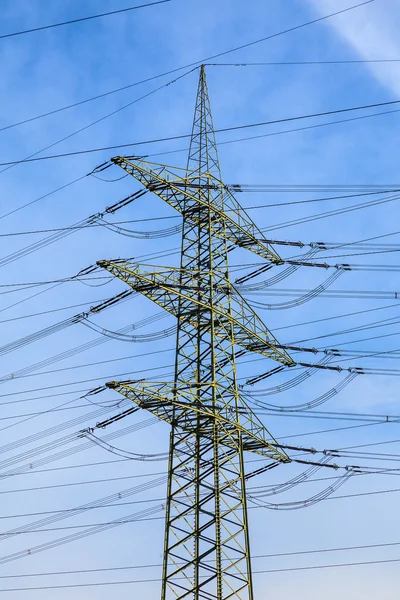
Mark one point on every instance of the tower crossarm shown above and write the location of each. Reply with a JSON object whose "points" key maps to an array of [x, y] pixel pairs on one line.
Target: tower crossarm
{"points": [[165, 287], [229, 220], [172, 403]]}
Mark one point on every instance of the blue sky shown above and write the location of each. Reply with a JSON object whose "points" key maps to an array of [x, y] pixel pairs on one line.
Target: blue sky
{"points": [[55, 68]]}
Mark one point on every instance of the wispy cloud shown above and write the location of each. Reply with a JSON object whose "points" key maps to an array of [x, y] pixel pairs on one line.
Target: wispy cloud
{"points": [[372, 32]]}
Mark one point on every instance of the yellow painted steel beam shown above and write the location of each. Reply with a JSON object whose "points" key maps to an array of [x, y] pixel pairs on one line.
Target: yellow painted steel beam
{"points": [[162, 285], [232, 223], [161, 398], [207, 540]]}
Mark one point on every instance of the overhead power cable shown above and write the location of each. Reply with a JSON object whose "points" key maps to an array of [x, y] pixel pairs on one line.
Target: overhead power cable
{"points": [[331, 213], [335, 416], [122, 334], [193, 64], [158, 580], [18, 490], [143, 515], [306, 297], [62, 187], [151, 500], [327, 246], [68, 467], [311, 403], [220, 130], [382, 419], [75, 536], [366, 294], [51, 310], [12, 463], [371, 325], [83, 509], [30, 284], [376, 419], [96, 218], [303, 188], [127, 520], [305, 62], [312, 368], [333, 317], [55, 429], [93, 123], [78, 483], [103, 502], [124, 478], [299, 504], [285, 131], [81, 19], [256, 557]]}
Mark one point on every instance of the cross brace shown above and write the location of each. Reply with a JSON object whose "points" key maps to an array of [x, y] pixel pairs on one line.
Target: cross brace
{"points": [[164, 286]]}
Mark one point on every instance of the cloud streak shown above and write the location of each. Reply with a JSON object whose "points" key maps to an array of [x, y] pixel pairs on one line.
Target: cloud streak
{"points": [[371, 32]]}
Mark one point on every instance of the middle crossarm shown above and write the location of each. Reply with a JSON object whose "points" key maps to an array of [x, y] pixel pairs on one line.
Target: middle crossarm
{"points": [[162, 285], [167, 401]]}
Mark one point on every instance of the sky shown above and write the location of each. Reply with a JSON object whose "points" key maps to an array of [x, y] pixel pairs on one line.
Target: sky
{"points": [[45, 375]]}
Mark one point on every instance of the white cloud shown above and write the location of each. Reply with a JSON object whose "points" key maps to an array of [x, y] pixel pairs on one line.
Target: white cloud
{"points": [[372, 32]]}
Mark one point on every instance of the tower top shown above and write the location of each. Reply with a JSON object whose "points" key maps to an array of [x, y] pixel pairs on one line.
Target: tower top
{"points": [[203, 154]]}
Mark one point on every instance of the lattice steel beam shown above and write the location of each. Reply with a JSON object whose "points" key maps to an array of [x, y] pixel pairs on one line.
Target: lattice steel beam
{"points": [[165, 287], [206, 545], [228, 219]]}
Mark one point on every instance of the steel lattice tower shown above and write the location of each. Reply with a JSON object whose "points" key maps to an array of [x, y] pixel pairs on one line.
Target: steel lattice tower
{"points": [[206, 547]]}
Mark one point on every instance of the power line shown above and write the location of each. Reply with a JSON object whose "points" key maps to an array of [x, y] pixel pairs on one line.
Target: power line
{"points": [[342, 316], [335, 416], [368, 294], [285, 131], [87, 482], [313, 567], [322, 246], [259, 556], [118, 375], [66, 468], [63, 369], [11, 212], [96, 504], [335, 429], [305, 62], [153, 474], [73, 450], [193, 64], [79, 483], [331, 213], [151, 566], [372, 325], [44, 448], [155, 580], [150, 500], [291, 29], [37, 283], [62, 408], [98, 120], [52, 310], [220, 130], [81, 19], [121, 460], [169, 217]]}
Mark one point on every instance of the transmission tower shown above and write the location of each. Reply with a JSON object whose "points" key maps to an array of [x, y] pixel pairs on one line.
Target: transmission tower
{"points": [[206, 546]]}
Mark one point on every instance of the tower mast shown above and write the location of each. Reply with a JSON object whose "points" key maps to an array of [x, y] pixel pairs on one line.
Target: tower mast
{"points": [[206, 542]]}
